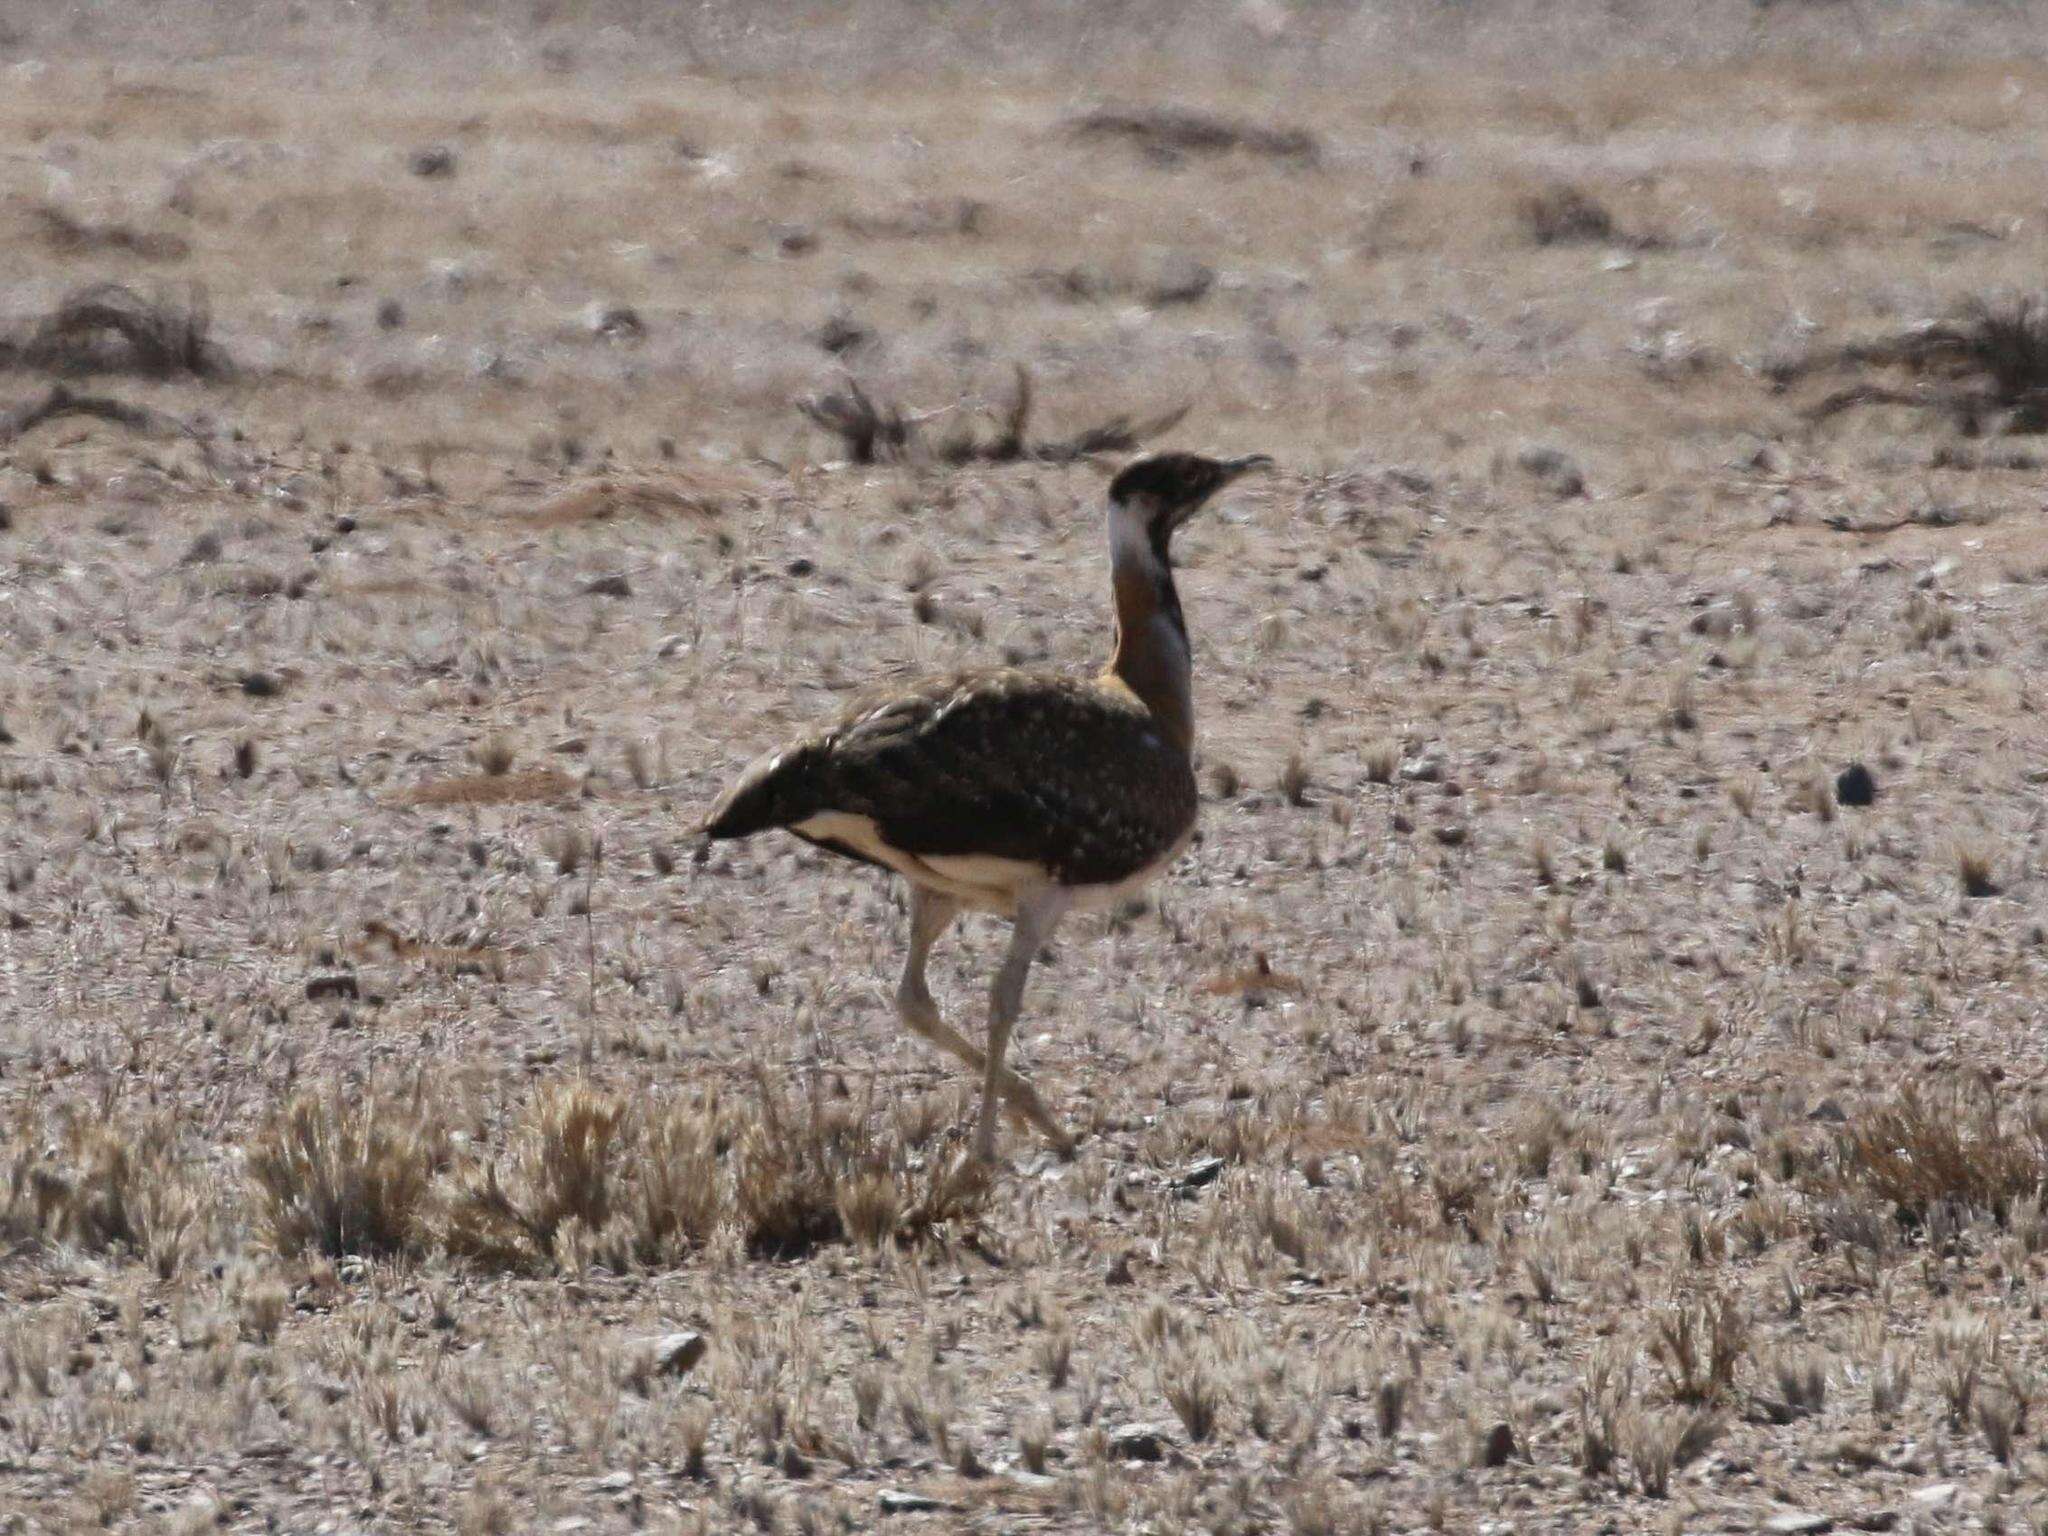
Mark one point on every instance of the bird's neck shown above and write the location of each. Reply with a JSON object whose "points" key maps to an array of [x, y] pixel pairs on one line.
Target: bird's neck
{"points": [[1152, 658]]}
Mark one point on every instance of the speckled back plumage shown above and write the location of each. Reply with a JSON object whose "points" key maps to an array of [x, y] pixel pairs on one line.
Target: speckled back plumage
{"points": [[1069, 773]]}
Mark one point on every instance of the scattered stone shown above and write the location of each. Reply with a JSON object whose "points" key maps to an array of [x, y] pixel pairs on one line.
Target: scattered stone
{"points": [[895, 1501], [1207, 1171], [1797, 1522], [1855, 786], [435, 162], [617, 322], [614, 1482], [1935, 1496], [1500, 1447], [1426, 769], [342, 985], [609, 586], [261, 685], [840, 335], [675, 1354], [1180, 280], [671, 645], [1139, 1442], [1828, 1112], [1452, 837]]}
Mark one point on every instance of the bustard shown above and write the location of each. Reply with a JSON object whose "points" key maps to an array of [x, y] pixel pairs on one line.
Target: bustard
{"points": [[1025, 793]]}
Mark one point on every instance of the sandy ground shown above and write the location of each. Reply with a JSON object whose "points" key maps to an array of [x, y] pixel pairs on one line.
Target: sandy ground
{"points": [[1537, 1102]]}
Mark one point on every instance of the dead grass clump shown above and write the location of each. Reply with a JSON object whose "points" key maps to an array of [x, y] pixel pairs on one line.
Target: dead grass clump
{"points": [[790, 1171], [341, 1175], [872, 432], [647, 497], [1658, 1444], [110, 328], [816, 1174], [1296, 780], [1986, 367], [1191, 1390], [1171, 134], [495, 755], [1973, 869], [564, 1169], [1918, 1155], [1698, 1344], [493, 789], [1562, 214], [675, 1201], [102, 1183]]}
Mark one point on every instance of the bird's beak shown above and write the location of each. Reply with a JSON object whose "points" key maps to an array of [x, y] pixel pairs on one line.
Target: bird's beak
{"points": [[1248, 463]]}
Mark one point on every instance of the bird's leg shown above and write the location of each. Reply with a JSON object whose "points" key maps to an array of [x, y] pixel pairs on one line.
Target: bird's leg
{"points": [[1037, 916], [930, 916]]}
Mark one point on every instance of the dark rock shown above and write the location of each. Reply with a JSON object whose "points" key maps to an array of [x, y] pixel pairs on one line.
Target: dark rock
{"points": [[1206, 1171], [261, 685], [339, 985], [436, 161], [1500, 1447], [675, 1354], [1854, 785], [619, 322], [1552, 469], [840, 335], [1139, 1442], [895, 1501], [609, 586]]}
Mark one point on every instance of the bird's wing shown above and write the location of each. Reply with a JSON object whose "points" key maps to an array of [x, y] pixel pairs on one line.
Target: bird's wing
{"points": [[1063, 773]]}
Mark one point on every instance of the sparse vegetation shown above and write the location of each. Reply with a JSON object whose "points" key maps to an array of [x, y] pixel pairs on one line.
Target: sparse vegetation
{"points": [[1596, 1100]]}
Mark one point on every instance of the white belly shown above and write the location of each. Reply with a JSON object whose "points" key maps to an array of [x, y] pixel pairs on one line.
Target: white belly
{"points": [[981, 880]]}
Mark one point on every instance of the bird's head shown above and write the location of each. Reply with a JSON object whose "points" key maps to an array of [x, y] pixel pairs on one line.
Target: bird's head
{"points": [[1151, 497]]}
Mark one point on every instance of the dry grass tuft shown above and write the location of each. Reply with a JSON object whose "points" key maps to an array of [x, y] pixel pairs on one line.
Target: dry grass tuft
{"points": [[650, 498], [872, 432], [1169, 134], [817, 1174], [345, 1176], [1698, 1344], [493, 789], [1957, 1151], [1973, 869], [1562, 214], [563, 1169], [109, 328], [102, 1183], [1989, 361]]}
